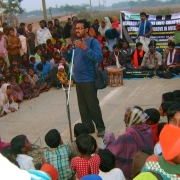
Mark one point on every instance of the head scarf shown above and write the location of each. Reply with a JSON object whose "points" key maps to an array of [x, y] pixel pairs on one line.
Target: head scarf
{"points": [[145, 175], [4, 89], [135, 117], [170, 141], [51, 170], [108, 22], [97, 20], [91, 177], [171, 39]]}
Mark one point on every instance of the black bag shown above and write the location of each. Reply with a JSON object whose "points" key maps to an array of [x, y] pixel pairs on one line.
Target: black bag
{"points": [[100, 77], [167, 75]]}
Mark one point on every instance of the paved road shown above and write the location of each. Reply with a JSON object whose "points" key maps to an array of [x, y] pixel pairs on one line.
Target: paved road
{"points": [[37, 116]]}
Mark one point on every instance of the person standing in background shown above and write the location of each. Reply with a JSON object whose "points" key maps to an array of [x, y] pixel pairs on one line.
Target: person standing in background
{"points": [[3, 50], [144, 32], [73, 30], [30, 39], [43, 33], [58, 28], [67, 31]]}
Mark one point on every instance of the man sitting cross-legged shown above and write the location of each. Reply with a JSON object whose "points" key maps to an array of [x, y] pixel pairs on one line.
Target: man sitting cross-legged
{"points": [[171, 61], [152, 59]]}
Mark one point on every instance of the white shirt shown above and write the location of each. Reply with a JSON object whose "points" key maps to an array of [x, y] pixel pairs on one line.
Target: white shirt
{"points": [[9, 171], [23, 49], [114, 174], [25, 162], [43, 35], [157, 149]]}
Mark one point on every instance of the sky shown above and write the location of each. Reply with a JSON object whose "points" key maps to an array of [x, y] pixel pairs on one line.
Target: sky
{"points": [[31, 5]]}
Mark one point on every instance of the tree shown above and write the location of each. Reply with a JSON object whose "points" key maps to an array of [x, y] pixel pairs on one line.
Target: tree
{"points": [[11, 7]]}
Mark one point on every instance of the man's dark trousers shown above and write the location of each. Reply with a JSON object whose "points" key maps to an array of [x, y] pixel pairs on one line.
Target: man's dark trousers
{"points": [[89, 106]]}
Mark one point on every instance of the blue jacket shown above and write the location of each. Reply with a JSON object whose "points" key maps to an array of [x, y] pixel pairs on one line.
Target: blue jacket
{"points": [[83, 60]]}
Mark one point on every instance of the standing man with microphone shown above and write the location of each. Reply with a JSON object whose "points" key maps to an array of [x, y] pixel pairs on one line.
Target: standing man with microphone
{"points": [[87, 52]]}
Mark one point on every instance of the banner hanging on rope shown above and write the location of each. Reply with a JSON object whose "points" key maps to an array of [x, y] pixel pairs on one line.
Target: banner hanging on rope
{"points": [[163, 26]]}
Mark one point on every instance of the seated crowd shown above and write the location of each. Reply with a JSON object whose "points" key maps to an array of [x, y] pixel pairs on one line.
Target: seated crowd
{"points": [[27, 70], [149, 149]]}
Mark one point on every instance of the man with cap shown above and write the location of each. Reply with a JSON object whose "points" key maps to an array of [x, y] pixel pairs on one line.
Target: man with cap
{"points": [[137, 55], [145, 30], [152, 59], [166, 50], [167, 165], [31, 39]]}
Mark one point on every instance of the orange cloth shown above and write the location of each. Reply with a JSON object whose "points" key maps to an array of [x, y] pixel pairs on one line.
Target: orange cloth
{"points": [[170, 141], [51, 170], [135, 57]]}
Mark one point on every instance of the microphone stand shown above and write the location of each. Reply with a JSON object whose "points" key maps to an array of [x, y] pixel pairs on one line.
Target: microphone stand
{"points": [[67, 90]]}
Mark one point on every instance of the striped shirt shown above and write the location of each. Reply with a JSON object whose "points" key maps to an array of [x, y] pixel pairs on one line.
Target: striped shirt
{"points": [[59, 158]]}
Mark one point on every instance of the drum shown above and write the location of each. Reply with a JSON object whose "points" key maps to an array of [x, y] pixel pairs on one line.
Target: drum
{"points": [[115, 76]]}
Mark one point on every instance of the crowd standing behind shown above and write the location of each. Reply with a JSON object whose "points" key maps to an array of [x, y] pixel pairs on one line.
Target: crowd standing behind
{"points": [[149, 149]]}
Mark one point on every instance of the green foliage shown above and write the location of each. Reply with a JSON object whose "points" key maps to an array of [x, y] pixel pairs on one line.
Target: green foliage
{"points": [[11, 7]]}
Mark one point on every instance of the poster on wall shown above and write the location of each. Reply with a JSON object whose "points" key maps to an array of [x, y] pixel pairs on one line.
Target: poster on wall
{"points": [[163, 27]]}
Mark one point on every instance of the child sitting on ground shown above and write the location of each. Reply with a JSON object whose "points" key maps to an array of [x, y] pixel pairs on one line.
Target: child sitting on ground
{"points": [[40, 75], [21, 68], [7, 153], [167, 97], [164, 108], [176, 94], [6, 74], [153, 120], [167, 165], [28, 91], [173, 114], [157, 147], [17, 93], [62, 75], [20, 145], [43, 48], [32, 61], [49, 46], [107, 166], [7, 104], [57, 154], [38, 54], [25, 61], [34, 80], [17, 74], [85, 164], [2, 81], [79, 129]]}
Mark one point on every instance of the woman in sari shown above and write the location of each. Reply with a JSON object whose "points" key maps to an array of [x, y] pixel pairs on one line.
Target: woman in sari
{"points": [[7, 103], [138, 137]]}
